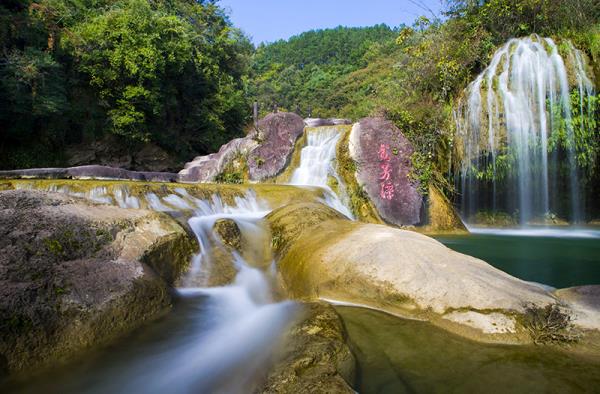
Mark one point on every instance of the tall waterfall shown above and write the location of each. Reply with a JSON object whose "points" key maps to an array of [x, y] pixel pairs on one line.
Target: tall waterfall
{"points": [[516, 133], [317, 164]]}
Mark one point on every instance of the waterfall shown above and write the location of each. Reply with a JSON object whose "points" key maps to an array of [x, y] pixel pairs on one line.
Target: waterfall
{"points": [[245, 321], [516, 135], [317, 165]]}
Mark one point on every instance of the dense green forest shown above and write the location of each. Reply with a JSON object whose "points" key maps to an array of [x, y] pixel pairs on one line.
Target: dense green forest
{"points": [[168, 72], [177, 74]]}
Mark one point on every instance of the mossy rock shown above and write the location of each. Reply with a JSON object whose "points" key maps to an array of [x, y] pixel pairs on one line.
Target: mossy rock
{"points": [[77, 274], [229, 233], [317, 357]]}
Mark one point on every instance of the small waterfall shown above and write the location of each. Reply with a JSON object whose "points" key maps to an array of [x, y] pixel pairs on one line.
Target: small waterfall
{"points": [[245, 320], [516, 134], [317, 165], [218, 339]]}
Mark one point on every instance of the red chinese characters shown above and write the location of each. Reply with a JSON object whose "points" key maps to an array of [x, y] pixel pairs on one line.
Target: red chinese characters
{"points": [[386, 186]]}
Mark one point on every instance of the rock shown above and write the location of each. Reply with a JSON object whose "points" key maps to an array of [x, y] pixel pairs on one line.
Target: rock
{"points": [[318, 122], [266, 151], [441, 215], [110, 151], [398, 271], [89, 172], [585, 302], [278, 133], [152, 158], [75, 274], [383, 157], [229, 233], [317, 359], [207, 168]]}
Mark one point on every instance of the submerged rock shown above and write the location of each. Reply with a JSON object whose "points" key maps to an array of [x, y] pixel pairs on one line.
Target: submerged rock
{"points": [[384, 168], [229, 232], [317, 358], [398, 271], [75, 274]]}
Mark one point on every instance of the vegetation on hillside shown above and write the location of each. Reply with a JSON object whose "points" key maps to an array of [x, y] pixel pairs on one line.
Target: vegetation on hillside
{"points": [[72, 71], [415, 77], [178, 74]]}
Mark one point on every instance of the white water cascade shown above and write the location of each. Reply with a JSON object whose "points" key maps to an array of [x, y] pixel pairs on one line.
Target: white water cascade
{"points": [[217, 339], [244, 321], [515, 132], [317, 164]]}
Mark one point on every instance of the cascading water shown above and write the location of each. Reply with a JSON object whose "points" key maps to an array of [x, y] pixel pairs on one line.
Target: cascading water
{"points": [[217, 339], [516, 134], [317, 160]]}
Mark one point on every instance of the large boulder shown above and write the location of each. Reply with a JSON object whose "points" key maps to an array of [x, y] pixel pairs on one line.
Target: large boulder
{"points": [[278, 133], [265, 151], [75, 274], [324, 256], [207, 168], [317, 358], [384, 169]]}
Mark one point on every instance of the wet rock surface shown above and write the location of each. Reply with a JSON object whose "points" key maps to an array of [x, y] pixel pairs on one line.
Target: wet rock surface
{"points": [[229, 233], [317, 359], [75, 274], [398, 271], [384, 166]]}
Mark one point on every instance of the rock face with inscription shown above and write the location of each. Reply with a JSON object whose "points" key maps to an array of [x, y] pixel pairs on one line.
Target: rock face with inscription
{"points": [[383, 157]]}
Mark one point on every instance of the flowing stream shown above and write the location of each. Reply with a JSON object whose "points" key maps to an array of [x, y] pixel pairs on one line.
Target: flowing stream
{"points": [[217, 339], [317, 165], [517, 136]]}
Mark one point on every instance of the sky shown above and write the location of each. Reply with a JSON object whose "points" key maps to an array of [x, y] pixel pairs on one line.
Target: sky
{"points": [[271, 20]]}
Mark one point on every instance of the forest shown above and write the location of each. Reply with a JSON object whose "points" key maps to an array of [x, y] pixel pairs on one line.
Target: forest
{"points": [[177, 73]]}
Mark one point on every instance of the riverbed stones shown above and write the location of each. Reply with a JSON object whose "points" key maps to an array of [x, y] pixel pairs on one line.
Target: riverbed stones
{"points": [[317, 358], [385, 170], [75, 274], [398, 271]]}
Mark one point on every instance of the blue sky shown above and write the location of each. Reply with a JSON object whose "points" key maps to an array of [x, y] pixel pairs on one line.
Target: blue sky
{"points": [[270, 20]]}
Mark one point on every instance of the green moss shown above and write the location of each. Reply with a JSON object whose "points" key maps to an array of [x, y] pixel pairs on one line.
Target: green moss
{"points": [[360, 204], [54, 247]]}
